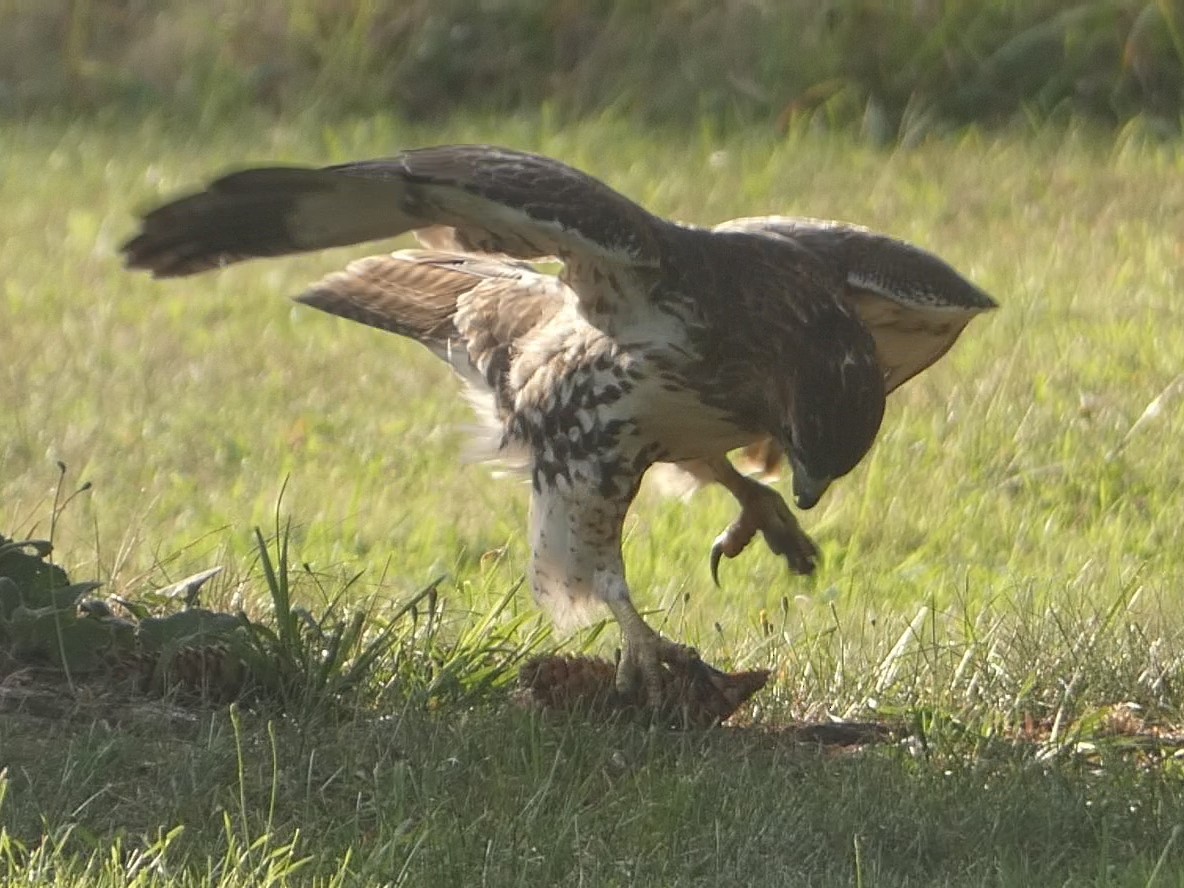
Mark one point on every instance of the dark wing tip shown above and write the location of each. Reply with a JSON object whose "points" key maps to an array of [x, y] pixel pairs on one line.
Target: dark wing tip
{"points": [[167, 257], [239, 216]]}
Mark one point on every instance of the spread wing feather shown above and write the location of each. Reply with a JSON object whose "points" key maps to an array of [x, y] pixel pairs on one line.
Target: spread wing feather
{"points": [[914, 304], [494, 200], [472, 311]]}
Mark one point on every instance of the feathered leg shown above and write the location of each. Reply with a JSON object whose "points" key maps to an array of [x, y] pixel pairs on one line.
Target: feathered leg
{"points": [[576, 561]]}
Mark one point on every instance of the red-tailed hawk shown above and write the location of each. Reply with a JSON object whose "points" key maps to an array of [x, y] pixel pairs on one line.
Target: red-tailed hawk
{"points": [[658, 342]]}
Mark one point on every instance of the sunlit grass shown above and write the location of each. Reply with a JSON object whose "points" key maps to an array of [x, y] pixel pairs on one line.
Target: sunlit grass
{"points": [[1010, 550]]}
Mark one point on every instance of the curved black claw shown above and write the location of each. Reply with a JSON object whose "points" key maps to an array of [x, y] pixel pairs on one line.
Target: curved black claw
{"points": [[731, 542], [782, 533], [717, 552]]}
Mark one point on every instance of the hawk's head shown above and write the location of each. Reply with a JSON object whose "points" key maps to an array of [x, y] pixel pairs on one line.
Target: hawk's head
{"points": [[835, 410]]}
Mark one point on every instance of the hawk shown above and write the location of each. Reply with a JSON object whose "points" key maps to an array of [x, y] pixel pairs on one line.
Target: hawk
{"points": [[658, 342]]}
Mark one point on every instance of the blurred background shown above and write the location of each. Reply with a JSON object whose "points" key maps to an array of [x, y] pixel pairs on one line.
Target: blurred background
{"points": [[893, 70]]}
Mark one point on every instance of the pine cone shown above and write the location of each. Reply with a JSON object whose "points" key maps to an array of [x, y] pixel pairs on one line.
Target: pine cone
{"points": [[693, 693], [555, 681]]}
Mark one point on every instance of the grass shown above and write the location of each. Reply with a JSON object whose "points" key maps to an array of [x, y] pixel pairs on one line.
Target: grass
{"points": [[489, 795], [1002, 575]]}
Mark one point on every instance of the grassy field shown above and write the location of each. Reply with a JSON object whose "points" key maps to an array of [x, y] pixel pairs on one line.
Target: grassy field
{"points": [[1003, 574]]}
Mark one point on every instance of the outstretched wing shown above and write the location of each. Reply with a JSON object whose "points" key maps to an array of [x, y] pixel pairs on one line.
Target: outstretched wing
{"points": [[914, 304], [495, 201], [431, 296], [471, 311]]}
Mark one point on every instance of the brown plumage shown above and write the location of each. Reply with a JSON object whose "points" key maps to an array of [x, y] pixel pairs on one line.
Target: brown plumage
{"points": [[914, 305], [657, 342]]}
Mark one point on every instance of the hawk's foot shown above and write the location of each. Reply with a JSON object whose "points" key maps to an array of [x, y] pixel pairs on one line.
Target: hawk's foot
{"points": [[641, 670], [762, 508], [662, 674]]}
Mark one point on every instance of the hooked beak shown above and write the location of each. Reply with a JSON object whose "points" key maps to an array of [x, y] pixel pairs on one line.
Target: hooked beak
{"points": [[807, 490]]}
